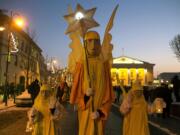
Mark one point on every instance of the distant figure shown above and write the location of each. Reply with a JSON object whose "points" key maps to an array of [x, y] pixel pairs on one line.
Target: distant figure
{"points": [[135, 111], [146, 93], [59, 94], [176, 87], [34, 89], [62, 90], [12, 90], [165, 94]]}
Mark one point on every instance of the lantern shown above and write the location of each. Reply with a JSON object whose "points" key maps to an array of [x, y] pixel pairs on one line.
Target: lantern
{"points": [[159, 104]]}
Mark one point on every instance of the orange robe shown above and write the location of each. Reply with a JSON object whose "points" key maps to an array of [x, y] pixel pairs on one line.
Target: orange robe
{"points": [[100, 82]]}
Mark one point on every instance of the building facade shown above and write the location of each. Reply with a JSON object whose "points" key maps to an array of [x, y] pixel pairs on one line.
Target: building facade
{"points": [[25, 65], [125, 70]]}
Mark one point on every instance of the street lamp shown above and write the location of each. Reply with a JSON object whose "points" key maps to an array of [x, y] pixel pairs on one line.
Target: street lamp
{"points": [[19, 21], [11, 46]]}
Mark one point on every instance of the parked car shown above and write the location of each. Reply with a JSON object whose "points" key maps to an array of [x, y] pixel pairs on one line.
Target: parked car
{"points": [[24, 100]]}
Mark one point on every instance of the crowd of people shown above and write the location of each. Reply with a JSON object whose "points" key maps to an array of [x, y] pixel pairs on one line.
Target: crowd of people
{"points": [[93, 94], [10, 91], [169, 93]]}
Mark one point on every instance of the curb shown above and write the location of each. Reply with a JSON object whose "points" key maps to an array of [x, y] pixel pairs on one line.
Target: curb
{"points": [[162, 128], [175, 117], [4, 108]]}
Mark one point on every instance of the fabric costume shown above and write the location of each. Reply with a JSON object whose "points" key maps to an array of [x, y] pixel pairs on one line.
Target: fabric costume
{"points": [[101, 82], [136, 118], [41, 115]]}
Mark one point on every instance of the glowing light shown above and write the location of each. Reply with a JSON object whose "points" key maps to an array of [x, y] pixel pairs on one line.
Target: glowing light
{"points": [[128, 71], [14, 44], [19, 22], [54, 62], [145, 70], [79, 16], [2, 28], [137, 71], [159, 111]]}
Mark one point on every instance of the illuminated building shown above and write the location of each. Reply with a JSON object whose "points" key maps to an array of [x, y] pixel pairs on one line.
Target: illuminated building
{"points": [[125, 70], [24, 66]]}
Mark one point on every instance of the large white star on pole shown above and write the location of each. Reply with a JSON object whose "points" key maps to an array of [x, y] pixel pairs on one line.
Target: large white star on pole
{"points": [[81, 20]]}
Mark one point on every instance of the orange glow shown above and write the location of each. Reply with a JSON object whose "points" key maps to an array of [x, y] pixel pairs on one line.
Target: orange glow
{"points": [[2, 28], [19, 22]]}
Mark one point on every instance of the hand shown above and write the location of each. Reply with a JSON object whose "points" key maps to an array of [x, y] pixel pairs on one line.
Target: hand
{"points": [[95, 115], [89, 92], [53, 117]]}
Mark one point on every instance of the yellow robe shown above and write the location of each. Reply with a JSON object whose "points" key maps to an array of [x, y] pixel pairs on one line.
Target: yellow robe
{"points": [[44, 125], [103, 98], [136, 121]]}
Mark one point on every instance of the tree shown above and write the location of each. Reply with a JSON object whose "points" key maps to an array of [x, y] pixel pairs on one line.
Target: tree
{"points": [[175, 45]]}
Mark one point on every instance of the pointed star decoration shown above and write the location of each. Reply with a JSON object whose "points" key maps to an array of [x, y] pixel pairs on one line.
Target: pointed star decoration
{"points": [[81, 20]]}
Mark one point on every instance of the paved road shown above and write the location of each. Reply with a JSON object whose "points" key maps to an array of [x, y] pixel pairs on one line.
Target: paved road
{"points": [[113, 127], [13, 122]]}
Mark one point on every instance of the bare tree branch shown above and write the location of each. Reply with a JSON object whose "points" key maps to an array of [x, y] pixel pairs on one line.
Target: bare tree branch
{"points": [[175, 45]]}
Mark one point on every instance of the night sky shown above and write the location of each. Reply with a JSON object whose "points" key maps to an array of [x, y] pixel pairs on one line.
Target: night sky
{"points": [[143, 28]]}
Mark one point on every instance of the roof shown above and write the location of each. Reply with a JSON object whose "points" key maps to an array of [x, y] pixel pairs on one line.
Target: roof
{"points": [[168, 75], [128, 62]]}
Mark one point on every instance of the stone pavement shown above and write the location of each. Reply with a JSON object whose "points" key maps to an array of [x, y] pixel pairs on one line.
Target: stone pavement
{"points": [[69, 124]]}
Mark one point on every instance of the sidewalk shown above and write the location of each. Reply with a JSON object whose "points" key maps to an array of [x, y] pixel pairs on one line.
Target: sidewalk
{"points": [[10, 103]]}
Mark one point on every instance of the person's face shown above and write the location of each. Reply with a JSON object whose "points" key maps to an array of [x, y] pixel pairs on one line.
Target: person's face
{"points": [[93, 47], [45, 94], [138, 93]]}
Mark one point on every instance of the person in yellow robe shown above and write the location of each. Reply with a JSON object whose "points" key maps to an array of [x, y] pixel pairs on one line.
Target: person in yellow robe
{"points": [[44, 112], [135, 110], [92, 88]]}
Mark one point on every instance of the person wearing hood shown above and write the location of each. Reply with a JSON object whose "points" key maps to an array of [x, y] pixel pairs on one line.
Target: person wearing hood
{"points": [[135, 111], [44, 112]]}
